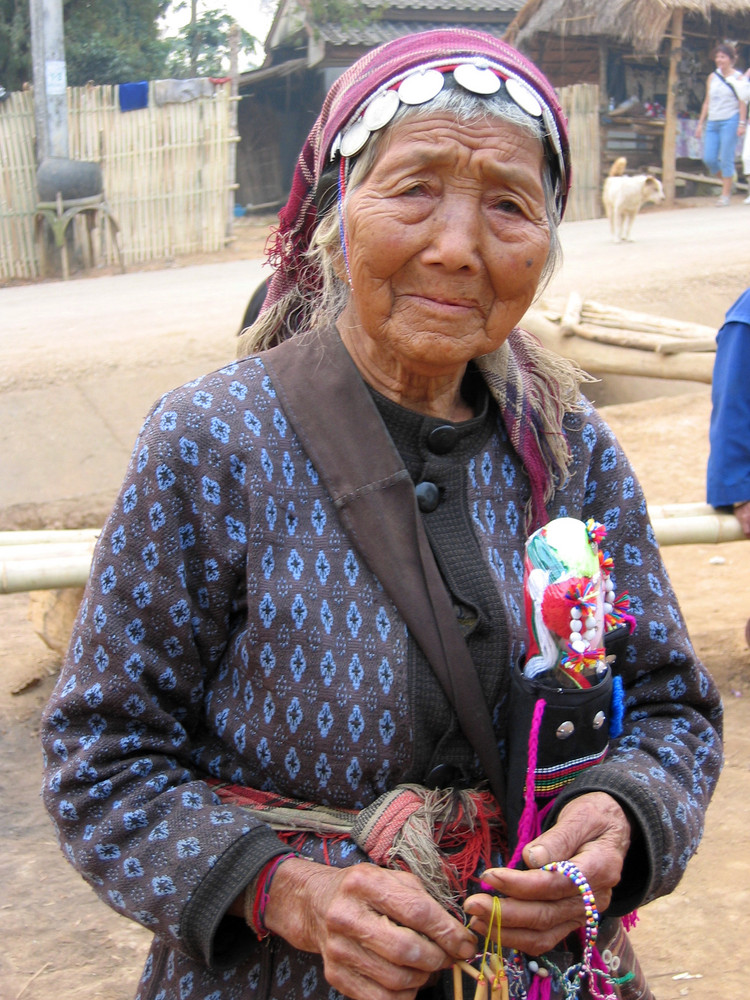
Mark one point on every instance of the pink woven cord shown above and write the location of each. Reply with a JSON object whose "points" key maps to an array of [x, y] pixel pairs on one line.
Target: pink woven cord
{"points": [[541, 988], [528, 824]]}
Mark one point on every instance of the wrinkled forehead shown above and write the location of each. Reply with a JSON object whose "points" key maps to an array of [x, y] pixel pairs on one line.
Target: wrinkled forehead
{"points": [[419, 85]]}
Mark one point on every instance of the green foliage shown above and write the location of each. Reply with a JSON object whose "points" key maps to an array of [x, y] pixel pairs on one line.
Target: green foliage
{"points": [[117, 41], [114, 41], [15, 44], [107, 41], [202, 48], [352, 13]]}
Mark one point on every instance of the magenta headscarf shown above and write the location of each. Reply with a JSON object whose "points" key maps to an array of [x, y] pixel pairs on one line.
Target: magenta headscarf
{"points": [[349, 93]]}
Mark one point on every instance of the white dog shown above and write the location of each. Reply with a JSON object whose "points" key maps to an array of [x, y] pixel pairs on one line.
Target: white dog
{"points": [[623, 196]]}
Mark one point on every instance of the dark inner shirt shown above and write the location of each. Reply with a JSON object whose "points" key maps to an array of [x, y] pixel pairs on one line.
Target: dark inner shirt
{"points": [[436, 454]]}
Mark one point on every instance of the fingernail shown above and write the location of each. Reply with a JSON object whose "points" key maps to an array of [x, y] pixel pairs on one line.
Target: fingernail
{"points": [[467, 951], [538, 856]]}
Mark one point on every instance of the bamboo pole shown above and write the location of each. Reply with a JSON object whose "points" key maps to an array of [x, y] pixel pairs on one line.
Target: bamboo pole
{"points": [[18, 576], [715, 525], [45, 560], [663, 510], [678, 346], [52, 560], [571, 318], [234, 49], [605, 359], [56, 537], [634, 340], [705, 529], [605, 315], [669, 142]]}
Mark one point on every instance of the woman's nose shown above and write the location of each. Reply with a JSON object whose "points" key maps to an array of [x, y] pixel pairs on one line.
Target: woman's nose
{"points": [[455, 234]]}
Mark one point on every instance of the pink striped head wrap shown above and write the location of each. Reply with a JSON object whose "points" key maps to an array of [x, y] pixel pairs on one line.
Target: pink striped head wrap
{"points": [[350, 95]]}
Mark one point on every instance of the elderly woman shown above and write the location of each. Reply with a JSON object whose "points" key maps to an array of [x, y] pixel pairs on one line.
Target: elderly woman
{"points": [[295, 650]]}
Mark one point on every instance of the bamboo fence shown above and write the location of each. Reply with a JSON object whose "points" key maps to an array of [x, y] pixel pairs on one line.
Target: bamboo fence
{"points": [[18, 256], [580, 104], [165, 169]]}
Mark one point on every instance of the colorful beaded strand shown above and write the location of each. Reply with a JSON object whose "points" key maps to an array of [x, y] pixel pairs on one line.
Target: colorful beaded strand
{"points": [[586, 967]]}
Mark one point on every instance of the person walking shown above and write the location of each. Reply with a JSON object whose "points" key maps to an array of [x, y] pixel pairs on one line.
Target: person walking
{"points": [[724, 115]]}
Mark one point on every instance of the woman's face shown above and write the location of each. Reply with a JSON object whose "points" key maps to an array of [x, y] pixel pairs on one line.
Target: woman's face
{"points": [[723, 63], [447, 238]]}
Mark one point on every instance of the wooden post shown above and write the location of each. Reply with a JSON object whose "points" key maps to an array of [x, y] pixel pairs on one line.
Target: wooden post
{"points": [[668, 156], [50, 78], [234, 73], [603, 60]]}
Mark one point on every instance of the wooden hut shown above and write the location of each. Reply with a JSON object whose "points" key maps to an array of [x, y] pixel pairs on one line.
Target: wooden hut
{"points": [[280, 101], [661, 46]]}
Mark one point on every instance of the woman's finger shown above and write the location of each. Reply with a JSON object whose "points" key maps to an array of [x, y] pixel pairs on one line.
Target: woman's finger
{"points": [[531, 927], [592, 819]]}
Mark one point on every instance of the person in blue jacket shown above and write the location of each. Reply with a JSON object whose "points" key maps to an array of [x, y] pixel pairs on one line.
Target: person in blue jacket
{"points": [[728, 472]]}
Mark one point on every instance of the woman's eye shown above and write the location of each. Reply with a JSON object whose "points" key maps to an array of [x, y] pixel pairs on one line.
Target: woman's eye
{"points": [[509, 206]]}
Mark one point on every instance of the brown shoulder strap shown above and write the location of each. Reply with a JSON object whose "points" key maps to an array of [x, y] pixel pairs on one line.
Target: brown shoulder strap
{"points": [[323, 394]]}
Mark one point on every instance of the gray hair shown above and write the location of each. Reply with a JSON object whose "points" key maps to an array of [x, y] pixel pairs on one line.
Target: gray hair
{"points": [[324, 308]]}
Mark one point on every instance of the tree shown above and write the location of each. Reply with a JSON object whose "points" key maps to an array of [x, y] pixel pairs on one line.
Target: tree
{"points": [[107, 41], [202, 47], [352, 13], [114, 41], [15, 43], [118, 41]]}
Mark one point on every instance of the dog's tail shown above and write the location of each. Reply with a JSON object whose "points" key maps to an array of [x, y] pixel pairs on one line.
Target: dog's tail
{"points": [[618, 167]]}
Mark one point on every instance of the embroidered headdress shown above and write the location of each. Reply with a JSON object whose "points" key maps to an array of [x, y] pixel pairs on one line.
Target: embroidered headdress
{"points": [[364, 99]]}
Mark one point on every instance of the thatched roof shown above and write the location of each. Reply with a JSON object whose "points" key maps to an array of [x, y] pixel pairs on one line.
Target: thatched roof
{"points": [[641, 23]]}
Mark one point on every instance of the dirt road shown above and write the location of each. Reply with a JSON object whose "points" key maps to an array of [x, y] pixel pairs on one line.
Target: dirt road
{"points": [[81, 362]]}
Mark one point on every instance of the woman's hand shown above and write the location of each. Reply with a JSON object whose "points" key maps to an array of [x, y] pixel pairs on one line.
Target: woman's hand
{"points": [[380, 934], [541, 908]]}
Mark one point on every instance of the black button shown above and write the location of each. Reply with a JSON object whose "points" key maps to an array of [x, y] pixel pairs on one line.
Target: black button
{"points": [[428, 497], [442, 439]]}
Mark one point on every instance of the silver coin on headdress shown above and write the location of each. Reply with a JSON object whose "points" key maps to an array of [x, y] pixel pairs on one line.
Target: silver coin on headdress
{"points": [[354, 138], [477, 79], [335, 147], [420, 87], [552, 131], [524, 97], [381, 110]]}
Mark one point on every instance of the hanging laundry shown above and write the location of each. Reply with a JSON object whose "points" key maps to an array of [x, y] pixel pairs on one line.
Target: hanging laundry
{"points": [[181, 91], [133, 96]]}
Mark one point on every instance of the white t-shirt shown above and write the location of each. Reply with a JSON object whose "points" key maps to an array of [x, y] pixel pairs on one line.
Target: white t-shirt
{"points": [[722, 99]]}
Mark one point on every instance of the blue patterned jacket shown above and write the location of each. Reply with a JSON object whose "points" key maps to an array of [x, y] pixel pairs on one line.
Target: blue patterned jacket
{"points": [[231, 628]]}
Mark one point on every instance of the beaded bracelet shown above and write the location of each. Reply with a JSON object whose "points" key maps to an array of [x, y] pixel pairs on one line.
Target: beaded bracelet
{"points": [[576, 876], [256, 895]]}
